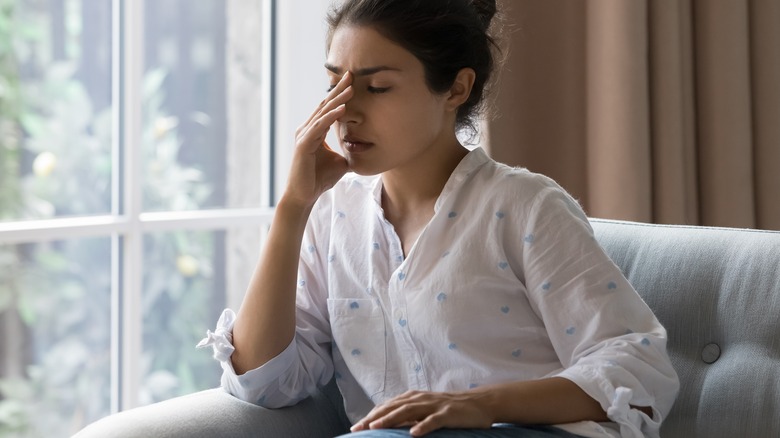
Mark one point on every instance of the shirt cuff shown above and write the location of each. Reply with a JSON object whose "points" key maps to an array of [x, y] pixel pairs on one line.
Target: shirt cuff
{"points": [[254, 385], [221, 339], [616, 402]]}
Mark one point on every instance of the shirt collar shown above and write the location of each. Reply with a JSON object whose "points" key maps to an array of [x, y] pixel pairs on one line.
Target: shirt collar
{"points": [[471, 162]]}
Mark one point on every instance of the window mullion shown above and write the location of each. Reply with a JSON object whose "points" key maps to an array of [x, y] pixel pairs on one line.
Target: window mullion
{"points": [[116, 197], [269, 101], [130, 325]]}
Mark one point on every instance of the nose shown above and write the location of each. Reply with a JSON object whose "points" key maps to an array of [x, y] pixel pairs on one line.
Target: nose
{"points": [[352, 111]]}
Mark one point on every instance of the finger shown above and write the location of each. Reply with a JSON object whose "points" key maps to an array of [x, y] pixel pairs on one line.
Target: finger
{"points": [[314, 136], [341, 86], [338, 101], [409, 413], [431, 423], [393, 404], [389, 406], [374, 414]]}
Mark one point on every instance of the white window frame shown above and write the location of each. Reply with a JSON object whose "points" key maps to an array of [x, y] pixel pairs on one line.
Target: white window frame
{"points": [[127, 224], [294, 54]]}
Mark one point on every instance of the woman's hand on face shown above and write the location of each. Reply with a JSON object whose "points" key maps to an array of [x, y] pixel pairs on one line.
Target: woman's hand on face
{"points": [[316, 167], [429, 411]]}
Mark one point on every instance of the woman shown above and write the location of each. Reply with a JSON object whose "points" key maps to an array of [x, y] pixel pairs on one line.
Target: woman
{"points": [[447, 293]]}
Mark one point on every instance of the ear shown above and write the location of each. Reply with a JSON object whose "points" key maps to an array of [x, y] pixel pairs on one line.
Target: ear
{"points": [[461, 88]]}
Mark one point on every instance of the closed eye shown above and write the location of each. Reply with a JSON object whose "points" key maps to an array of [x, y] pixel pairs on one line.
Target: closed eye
{"points": [[375, 90]]}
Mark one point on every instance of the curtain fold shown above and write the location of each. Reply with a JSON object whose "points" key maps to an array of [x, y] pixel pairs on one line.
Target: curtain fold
{"points": [[662, 111], [673, 137], [617, 118], [765, 77]]}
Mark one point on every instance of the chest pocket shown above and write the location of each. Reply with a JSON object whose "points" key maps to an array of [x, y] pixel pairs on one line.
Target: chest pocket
{"points": [[358, 327]]}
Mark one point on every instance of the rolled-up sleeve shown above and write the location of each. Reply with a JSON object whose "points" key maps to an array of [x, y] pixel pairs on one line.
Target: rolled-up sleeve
{"points": [[608, 340], [306, 363]]}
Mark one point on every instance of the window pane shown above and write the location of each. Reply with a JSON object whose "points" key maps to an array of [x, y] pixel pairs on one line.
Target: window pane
{"points": [[185, 284], [55, 309], [201, 104], [55, 108]]}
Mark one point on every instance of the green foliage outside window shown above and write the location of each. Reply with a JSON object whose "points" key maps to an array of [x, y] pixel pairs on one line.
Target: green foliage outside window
{"points": [[10, 110], [55, 160]]}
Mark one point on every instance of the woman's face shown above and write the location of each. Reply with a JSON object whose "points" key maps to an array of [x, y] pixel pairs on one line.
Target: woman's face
{"points": [[393, 120]]}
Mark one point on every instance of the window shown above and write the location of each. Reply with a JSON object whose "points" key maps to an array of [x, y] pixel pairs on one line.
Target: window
{"points": [[137, 177]]}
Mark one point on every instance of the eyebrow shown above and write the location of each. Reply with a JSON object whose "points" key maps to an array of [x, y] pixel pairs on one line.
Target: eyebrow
{"points": [[362, 71]]}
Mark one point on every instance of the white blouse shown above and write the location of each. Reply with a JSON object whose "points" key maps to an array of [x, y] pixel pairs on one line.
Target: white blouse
{"points": [[505, 283]]}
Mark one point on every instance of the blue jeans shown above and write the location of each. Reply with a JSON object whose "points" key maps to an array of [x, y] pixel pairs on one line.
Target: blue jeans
{"points": [[497, 431]]}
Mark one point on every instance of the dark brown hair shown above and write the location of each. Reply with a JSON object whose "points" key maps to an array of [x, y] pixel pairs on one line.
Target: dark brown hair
{"points": [[445, 35]]}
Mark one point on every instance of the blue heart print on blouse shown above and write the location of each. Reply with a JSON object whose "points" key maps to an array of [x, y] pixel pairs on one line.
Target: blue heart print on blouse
{"points": [[503, 265], [452, 214], [312, 248], [500, 214], [401, 276], [505, 309], [453, 346], [402, 322], [356, 352], [571, 330], [516, 353], [341, 214], [376, 245], [612, 285], [354, 305], [546, 286], [441, 297], [529, 239], [645, 341]]}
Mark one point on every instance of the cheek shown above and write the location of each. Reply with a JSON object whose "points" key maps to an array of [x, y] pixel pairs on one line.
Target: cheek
{"points": [[424, 116], [417, 109]]}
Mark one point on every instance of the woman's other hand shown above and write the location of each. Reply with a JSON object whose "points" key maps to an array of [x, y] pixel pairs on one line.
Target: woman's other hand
{"points": [[316, 167], [428, 411]]}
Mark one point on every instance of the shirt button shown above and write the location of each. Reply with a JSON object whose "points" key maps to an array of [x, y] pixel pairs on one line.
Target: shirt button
{"points": [[414, 366], [398, 314]]}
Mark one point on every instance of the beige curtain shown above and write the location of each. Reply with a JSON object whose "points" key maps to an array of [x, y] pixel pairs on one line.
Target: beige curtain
{"points": [[663, 111]]}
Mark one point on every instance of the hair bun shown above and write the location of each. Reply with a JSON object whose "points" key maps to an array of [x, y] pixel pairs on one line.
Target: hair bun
{"points": [[486, 10]]}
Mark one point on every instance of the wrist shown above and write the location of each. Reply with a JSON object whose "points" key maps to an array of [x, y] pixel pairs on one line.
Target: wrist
{"points": [[291, 212], [489, 401], [293, 204]]}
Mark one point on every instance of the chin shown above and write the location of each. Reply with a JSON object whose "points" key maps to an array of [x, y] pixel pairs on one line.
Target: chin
{"points": [[363, 169]]}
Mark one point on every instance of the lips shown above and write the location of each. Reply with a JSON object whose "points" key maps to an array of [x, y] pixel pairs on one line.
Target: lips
{"points": [[353, 144]]}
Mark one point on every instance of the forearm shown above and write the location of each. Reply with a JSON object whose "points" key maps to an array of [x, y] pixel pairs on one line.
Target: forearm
{"points": [[265, 324], [547, 401]]}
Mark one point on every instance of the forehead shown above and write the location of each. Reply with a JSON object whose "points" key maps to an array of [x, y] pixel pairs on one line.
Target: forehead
{"points": [[356, 47]]}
